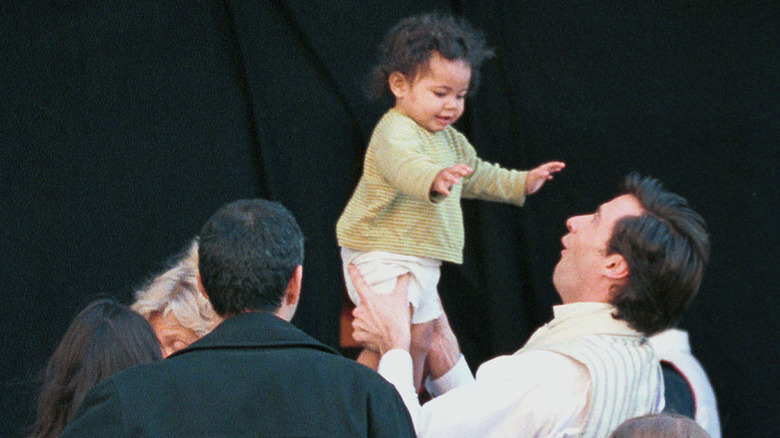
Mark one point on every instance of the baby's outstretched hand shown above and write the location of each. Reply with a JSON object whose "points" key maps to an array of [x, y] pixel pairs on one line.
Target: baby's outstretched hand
{"points": [[448, 177], [538, 175]]}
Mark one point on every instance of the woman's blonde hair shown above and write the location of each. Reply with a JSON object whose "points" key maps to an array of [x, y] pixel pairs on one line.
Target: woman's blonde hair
{"points": [[176, 291]]}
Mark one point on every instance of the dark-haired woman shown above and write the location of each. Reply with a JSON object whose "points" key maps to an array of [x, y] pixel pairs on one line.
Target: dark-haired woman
{"points": [[104, 338]]}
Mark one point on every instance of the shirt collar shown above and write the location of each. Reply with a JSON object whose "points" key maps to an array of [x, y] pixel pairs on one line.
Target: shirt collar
{"points": [[567, 310]]}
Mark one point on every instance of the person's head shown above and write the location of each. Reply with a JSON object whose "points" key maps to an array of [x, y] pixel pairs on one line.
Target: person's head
{"points": [[175, 306], [429, 63], [660, 425], [103, 339], [644, 252], [251, 257]]}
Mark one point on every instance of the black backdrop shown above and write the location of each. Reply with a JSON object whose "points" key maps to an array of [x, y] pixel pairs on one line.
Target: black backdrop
{"points": [[124, 125]]}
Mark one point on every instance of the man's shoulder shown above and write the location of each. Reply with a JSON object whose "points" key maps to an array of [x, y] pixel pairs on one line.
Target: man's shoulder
{"points": [[283, 359], [135, 383], [307, 383], [343, 365]]}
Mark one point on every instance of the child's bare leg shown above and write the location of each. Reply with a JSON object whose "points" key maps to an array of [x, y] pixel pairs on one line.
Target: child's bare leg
{"points": [[422, 334], [369, 358]]}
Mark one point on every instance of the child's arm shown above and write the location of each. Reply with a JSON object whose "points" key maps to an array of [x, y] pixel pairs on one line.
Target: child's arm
{"points": [[403, 165], [491, 182], [538, 175]]}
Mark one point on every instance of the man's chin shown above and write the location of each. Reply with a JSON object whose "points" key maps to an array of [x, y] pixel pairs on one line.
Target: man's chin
{"points": [[556, 276]]}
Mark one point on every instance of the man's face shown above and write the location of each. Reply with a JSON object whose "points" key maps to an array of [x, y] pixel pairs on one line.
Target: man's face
{"points": [[578, 275], [435, 99]]}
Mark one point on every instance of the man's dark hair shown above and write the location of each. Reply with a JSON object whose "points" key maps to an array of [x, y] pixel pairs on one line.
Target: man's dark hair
{"points": [[408, 46], [667, 249], [248, 252]]}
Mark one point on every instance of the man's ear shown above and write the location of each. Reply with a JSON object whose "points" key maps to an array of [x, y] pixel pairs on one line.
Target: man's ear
{"points": [[293, 293], [616, 267], [398, 84]]}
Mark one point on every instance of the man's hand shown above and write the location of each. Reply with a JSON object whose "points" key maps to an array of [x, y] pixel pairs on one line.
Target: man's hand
{"points": [[448, 177], [444, 351], [539, 175], [382, 321]]}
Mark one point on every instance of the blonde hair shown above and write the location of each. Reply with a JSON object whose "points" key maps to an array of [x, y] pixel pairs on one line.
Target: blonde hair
{"points": [[176, 291]]}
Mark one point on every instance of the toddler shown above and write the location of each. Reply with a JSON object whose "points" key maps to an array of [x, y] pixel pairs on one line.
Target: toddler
{"points": [[405, 214]]}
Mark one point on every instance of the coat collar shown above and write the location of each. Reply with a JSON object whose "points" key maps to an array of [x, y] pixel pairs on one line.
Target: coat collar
{"points": [[255, 330]]}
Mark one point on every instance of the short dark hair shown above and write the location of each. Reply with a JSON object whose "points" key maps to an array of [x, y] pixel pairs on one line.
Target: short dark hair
{"points": [[103, 339], [408, 46], [666, 248], [248, 252]]}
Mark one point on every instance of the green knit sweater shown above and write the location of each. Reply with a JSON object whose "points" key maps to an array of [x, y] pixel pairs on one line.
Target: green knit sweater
{"points": [[393, 209]]}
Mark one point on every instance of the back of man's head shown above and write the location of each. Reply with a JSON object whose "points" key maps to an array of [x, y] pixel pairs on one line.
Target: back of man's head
{"points": [[660, 425], [248, 253], [667, 249]]}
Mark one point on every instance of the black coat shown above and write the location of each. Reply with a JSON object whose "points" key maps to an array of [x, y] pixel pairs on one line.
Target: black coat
{"points": [[254, 375]]}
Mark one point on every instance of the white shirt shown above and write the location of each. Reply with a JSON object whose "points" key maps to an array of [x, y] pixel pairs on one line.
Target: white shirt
{"points": [[673, 346], [530, 393]]}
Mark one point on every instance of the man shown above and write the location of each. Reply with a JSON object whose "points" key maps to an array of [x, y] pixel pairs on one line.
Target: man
{"points": [[255, 374], [626, 271], [687, 388]]}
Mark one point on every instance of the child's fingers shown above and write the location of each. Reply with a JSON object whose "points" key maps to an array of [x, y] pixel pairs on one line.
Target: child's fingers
{"points": [[442, 187], [448, 178], [455, 173], [547, 170], [446, 182], [554, 166], [461, 170]]}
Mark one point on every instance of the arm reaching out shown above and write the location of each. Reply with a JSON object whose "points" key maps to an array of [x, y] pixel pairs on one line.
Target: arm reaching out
{"points": [[539, 175], [448, 177]]}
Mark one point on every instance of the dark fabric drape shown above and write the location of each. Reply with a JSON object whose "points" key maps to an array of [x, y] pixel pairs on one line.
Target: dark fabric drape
{"points": [[124, 125]]}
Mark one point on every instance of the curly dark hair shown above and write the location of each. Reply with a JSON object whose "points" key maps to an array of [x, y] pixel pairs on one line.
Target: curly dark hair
{"points": [[666, 248], [408, 46], [249, 250]]}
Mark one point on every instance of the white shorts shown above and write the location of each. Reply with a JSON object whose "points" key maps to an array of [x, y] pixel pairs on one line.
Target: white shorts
{"points": [[381, 270]]}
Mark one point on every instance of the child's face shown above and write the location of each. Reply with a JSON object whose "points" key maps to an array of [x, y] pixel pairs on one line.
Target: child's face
{"points": [[435, 98]]}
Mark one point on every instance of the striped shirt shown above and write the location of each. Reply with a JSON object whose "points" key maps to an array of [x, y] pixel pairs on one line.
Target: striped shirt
{"points": [[626, 378], [393, 209], [580, 375]]}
